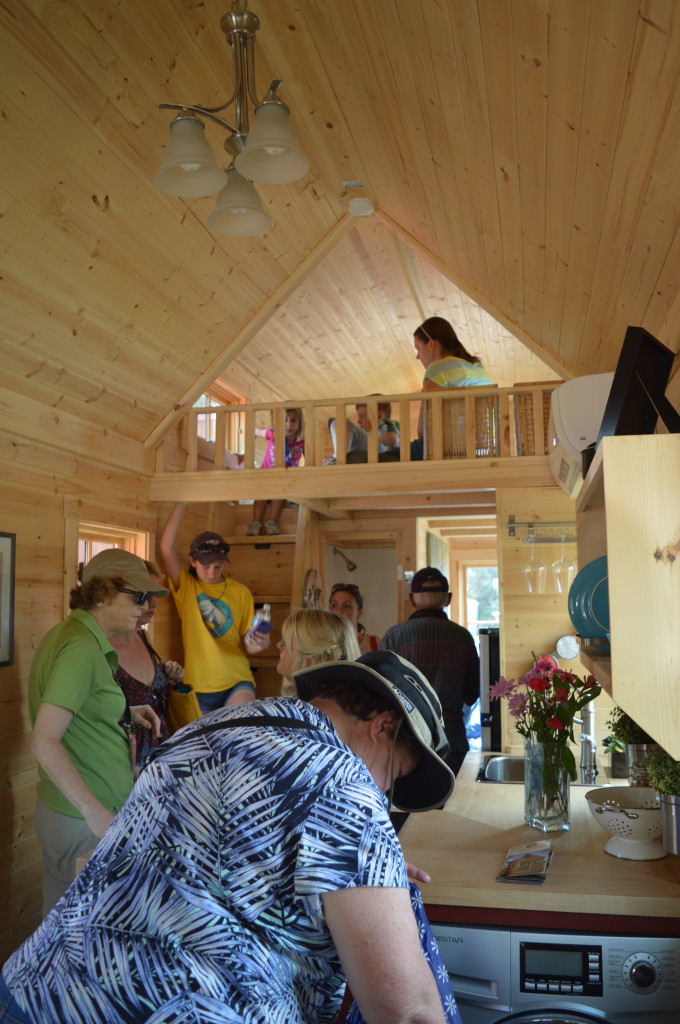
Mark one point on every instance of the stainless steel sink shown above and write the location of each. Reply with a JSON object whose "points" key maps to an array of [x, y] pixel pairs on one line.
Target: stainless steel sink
{"points": [[507, 768], [501, 768]]}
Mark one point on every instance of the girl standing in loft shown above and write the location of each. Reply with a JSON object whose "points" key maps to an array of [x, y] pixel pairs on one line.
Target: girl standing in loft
{"points": [[447, 363]]}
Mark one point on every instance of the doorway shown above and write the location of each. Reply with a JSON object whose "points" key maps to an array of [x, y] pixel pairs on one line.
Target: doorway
{"points": [[375, 574]]}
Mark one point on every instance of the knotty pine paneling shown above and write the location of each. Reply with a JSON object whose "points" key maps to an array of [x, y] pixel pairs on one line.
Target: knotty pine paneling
{"points": [[37, 483], [525, 191], [530, 623]]}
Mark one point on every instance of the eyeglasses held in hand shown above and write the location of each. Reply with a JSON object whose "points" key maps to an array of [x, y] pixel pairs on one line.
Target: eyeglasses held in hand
{"points": [[140, 598]]}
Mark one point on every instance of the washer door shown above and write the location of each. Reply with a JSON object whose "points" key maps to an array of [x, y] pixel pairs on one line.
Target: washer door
{"points": [[550, 1017]]}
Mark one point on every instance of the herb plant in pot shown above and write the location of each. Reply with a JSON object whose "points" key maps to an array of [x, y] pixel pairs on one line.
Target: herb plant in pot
{"points": [[617, 751], [664, 777], [636, 742]]}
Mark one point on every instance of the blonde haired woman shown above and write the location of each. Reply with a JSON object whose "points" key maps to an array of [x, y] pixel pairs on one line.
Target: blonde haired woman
{"points": [[310, 636]]}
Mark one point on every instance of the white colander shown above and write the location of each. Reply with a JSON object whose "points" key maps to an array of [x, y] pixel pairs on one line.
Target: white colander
{"points": [[633, 815]]}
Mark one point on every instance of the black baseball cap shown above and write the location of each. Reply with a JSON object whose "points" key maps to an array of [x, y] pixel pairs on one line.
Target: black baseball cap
{"points": [[429, 580], [209, 547], [408, 692]]}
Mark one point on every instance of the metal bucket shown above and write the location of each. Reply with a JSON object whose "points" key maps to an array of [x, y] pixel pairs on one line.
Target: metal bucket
{"points": [[670, 817], [636, 759]]}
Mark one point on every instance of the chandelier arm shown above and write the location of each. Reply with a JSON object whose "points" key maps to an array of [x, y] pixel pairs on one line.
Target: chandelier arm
{"points": [[203, 111]]}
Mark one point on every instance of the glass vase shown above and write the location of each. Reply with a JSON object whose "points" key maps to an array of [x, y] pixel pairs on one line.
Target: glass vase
{"points": [[546, 787]]}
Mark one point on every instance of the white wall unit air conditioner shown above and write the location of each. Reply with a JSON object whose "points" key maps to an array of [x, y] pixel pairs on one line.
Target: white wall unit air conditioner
{"points": [[576, 412]]}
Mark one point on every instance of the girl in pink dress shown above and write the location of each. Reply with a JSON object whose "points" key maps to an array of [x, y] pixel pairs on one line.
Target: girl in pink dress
{"points": [[295, 447]]}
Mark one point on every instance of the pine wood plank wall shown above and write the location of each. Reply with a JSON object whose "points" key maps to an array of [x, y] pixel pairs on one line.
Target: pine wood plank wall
{"points": [[533, 622], [39, 483]]}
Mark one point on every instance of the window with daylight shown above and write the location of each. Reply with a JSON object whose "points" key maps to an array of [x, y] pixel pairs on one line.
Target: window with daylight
{"points": [[217, 397]]}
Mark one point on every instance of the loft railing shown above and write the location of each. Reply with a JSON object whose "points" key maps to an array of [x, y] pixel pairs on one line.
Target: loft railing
{"points": [[459, 423]]}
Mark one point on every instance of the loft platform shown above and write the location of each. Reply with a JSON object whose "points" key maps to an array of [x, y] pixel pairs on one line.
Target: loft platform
{"points": [[475, 439]]}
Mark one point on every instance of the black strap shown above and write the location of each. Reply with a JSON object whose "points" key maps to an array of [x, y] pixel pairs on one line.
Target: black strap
{"points": [[234, 723], [155, 656]]}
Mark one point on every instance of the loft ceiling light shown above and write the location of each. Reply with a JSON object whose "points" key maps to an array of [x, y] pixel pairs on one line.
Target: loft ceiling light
{"points": [[269, 152]]}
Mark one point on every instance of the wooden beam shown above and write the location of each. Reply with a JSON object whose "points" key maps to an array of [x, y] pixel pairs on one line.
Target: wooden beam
{"points": [[418, 512], [324, 508], [484, 520], [479, 500], [516, 329], [241, 339], [383, 481]]}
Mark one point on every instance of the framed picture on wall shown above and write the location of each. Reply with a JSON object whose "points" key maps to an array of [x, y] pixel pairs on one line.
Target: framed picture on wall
{"points": [[7, 555]]}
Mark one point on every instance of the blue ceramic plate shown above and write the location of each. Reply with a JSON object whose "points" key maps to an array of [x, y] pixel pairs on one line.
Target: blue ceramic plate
{"points": [[588, 600]]}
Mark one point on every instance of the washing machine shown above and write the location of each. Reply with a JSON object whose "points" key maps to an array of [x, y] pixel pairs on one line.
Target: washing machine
{"points": [[507, 976]]}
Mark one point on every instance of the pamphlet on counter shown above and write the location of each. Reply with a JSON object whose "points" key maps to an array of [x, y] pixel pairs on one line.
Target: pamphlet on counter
{"points": [[527, 864]]}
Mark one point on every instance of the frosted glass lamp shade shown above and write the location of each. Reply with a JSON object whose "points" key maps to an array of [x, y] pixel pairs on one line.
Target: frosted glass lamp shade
{"points": [[189, 164], [272, 152], [238, 211]]}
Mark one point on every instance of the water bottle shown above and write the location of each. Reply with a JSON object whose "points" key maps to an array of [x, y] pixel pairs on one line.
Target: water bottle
{"points": [[262, 623]]}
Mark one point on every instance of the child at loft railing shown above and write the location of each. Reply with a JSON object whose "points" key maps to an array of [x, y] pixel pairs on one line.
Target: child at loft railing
{"points": [[295, 448]]}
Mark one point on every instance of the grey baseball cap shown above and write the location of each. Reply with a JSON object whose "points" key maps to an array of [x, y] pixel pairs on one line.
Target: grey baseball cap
{"points": [[408, 691]]}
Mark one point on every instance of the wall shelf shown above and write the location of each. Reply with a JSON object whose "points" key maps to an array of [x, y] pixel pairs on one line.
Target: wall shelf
{"points": [[600, 667]]}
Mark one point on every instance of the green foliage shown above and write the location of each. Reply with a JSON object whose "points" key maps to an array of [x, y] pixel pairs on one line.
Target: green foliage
{"points": [[613, 745], [663, 771], [482, 586], [625, 729]]}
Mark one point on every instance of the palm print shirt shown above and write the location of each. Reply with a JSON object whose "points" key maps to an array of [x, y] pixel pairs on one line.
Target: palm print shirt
{"points": [[202, 903]]}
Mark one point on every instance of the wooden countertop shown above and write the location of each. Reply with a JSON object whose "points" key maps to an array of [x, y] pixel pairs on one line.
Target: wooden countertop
{"points": [[463, 846]]}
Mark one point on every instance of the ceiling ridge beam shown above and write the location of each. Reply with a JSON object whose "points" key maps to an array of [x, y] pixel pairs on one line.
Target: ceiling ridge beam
{"points": [[520, 333], [255, 324]]}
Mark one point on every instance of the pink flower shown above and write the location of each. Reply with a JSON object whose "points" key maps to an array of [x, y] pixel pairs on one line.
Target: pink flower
{"points": [[533, 673], [539, 685], [555, 723], [546, 663], [518, 704], [502, 688]]}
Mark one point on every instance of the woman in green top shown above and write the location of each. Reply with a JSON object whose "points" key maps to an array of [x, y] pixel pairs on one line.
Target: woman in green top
{"points": [[77, 709]]}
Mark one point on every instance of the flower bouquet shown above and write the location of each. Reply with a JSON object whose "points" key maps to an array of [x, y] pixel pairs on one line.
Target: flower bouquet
{"points": [[544, 703]]}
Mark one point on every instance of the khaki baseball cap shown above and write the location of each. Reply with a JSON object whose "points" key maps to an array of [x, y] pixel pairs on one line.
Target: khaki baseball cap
{"points": [[115, 563]]}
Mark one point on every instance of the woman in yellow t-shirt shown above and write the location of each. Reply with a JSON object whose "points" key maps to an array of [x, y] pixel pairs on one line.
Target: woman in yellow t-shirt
{"points": [[217, 613]]}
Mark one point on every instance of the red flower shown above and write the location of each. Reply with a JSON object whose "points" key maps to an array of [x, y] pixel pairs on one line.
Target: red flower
{"points": [[561, 695], [539, 685], [555, 723]]}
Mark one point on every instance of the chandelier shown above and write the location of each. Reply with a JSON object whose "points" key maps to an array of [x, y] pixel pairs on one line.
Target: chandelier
{"points": [[269, 152]]}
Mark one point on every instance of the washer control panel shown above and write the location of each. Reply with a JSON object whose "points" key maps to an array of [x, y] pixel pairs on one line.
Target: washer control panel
{"points": [[560, 968], [618, 973]]}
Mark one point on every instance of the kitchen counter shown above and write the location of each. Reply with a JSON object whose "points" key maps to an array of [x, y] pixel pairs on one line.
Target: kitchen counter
{"points": [[463, 846]]}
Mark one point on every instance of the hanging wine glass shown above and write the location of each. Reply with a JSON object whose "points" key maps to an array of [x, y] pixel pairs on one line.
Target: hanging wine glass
{"points": [[534, 569], [563, 570]]}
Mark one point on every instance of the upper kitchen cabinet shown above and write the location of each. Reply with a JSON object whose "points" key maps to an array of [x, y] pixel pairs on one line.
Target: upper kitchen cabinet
{"points": [[629, 510]]}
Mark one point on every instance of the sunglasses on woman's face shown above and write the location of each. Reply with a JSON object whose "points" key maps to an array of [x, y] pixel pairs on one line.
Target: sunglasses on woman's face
{"points": [[140, 598]]}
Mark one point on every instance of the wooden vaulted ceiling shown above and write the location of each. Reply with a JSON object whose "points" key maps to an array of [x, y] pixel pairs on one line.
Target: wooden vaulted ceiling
{"points": [[523, 156]]}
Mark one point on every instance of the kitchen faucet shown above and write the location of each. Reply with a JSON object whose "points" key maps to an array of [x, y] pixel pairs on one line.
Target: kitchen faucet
{"points": [[588, 744]]}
